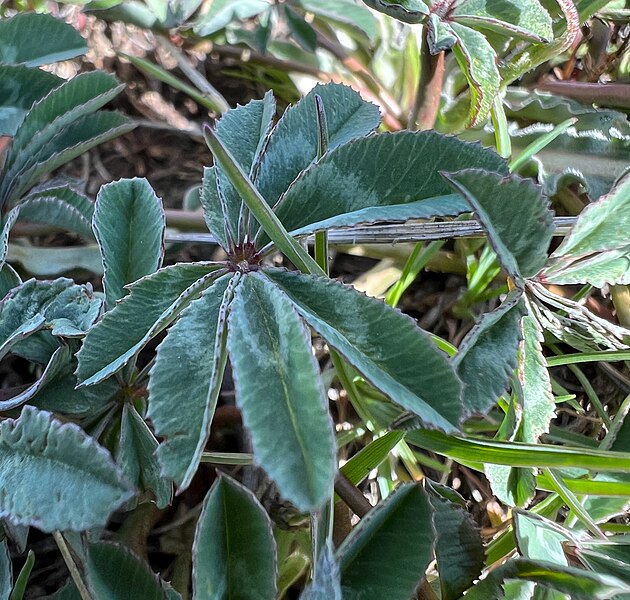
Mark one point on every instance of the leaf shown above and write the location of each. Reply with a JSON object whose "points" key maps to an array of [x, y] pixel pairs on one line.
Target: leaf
{"points": [[59, 206], [72, 141], [46, 261], [34, 40], [442, 206], [440, 35], [487, 356], [7, 223], [458, 547], [344, 12], [538, 538], [580, 584], [244, 131], [224, 12], [513, 486], [117, 574], [6, 573], [477, 59], [129, 225], [525, 19], [407, 11], [234, 553], [270, 352], [22, 579], [292, 146], [9, 279], [152, 304], [370, 456], [383, 557], [59, 466], [382, 343], [515, 215], [136, 448], [378, 171], [596, 250], [182, 414], [326, 584], [20, 87]]}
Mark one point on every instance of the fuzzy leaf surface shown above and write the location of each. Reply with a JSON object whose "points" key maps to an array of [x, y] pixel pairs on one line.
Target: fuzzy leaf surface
{"points": [[383, 554], [279, 390], [326, 584], [59, 206], [293, 143], [46, 466], [33, 40], [378, 171], [596, 251], [129, 225], [234, 553], [515, 215], [488, 355], [387, 347], [192, 352], [152, 304]]}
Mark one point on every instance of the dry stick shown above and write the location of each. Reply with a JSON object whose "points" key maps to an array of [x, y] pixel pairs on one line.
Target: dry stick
{"points": [[75, 573], [352, 496], [427, 103], [606, 94]]}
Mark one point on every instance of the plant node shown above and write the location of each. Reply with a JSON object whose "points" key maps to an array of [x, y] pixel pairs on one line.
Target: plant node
{"points": [[244, 258]]}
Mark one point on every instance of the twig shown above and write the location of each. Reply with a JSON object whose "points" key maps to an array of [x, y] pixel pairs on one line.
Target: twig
{"points": [[352, 496]]}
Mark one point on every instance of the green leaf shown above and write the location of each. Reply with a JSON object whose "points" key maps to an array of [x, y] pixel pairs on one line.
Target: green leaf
{"points": [[580, 584], [596, 250], [8, 280], [117, 574], [440, 35], [515, 215], [292, 146], [606, 566], [72, 141], [59, 206], [33, 40], [182, 414], [458, 547], [135, 455], [59, 466], [371, 456], [20, 87], [7, 223], [442, 206], [326, 584], [224, 12], [384, 556], [129, 226], [407, 11], [234, 554], [538, 538], [47, 261], [477, 59], [270, 352], [152, 304], [381, 170], [519, 18], [244, 132], [344, 12], [6, 574], [487, 356], [382, 343], [22, 579]]}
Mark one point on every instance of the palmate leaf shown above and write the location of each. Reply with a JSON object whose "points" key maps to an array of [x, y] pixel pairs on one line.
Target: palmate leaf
{"points": [[20, 87], [378, 341], [182, 413], [59, 466], [279, 390], [244, 131], [597, 249], [234, 553], [377, 171], [515, 215], [487, 356], [385, 557], [33, 40], [407, 11], [293, 143], [519, 18], [59, 206], [129, 225], [152, 304]]}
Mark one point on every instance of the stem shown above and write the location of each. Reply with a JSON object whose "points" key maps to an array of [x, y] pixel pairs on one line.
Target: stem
{"points": [[259, 207], [72, 566], [501, 133], [427, 103], [352, 496], [321, 237]]}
